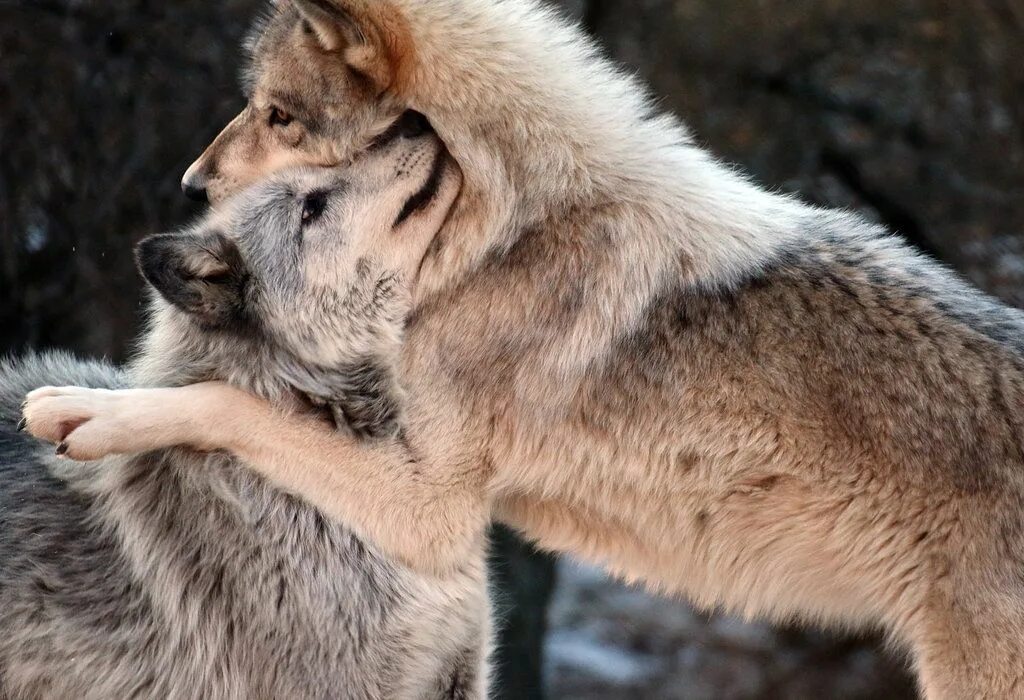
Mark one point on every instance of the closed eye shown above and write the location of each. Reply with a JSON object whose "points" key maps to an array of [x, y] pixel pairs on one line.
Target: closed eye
{"points": [[313, 207]]}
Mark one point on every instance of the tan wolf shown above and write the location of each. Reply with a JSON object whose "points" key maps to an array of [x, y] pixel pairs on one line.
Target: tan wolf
{"points": [[628, 351]]}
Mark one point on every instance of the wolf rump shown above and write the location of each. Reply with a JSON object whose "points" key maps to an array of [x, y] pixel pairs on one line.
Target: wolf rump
{"points": [[713, 389], [176, 574]]}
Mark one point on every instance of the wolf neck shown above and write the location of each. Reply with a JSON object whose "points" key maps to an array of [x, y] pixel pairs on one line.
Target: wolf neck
{"points": [[532, 111], [173, 352]]}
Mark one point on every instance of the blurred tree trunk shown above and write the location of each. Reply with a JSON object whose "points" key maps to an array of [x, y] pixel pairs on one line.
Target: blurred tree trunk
{"points": [[523, 580]]}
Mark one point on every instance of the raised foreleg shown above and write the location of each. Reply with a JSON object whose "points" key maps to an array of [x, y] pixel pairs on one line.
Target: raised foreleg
{"points": [[428, 511]]}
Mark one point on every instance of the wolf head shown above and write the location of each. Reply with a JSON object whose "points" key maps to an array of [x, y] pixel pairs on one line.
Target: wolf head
{"points": [[314, 266], [541, 125], [319, 88]]}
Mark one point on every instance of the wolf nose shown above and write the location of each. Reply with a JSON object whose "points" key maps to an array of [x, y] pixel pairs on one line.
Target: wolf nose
{"points": [[194, 187], [195, 193]]}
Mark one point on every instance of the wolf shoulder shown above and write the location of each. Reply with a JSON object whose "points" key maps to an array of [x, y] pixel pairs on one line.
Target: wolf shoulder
{"points": [[839, 288], [869, 280]]}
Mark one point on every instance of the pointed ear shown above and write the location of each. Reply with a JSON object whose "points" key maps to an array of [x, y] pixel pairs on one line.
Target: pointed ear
{"points": [[333, 28], [357, 31], [203, 275]]}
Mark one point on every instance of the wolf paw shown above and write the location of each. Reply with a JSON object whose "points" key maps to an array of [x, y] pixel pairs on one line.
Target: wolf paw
{"points": [[85, 424]]}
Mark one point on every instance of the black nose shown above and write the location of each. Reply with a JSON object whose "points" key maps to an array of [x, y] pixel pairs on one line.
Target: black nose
{"points": [[195, 193], [412, 124]]}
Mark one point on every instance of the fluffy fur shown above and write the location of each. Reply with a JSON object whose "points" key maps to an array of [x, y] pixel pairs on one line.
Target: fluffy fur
{"points": [[177, 574], [626, 350]]}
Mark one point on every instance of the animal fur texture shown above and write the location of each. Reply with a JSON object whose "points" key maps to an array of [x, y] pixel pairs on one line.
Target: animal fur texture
{"points": [[177, 574], [628, 351]]}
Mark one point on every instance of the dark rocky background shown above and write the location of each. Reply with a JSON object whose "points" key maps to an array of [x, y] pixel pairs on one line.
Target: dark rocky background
{"points": [[909, 111]]}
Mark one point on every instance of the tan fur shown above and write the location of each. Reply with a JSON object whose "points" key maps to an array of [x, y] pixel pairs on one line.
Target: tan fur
{"points": [[630, 353]]}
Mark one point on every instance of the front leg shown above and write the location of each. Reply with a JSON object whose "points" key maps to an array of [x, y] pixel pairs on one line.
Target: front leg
{"points": [[89, 424], [429, 512]]}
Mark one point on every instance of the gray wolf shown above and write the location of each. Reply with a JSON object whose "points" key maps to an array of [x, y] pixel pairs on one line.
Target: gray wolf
{"points": [[626, 350], [178, 574]]}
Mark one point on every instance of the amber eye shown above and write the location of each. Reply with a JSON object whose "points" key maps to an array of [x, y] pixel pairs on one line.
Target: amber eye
{"points": [[279, 117]]}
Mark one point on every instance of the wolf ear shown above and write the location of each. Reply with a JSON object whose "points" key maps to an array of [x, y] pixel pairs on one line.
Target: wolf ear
{"points": [[334, 28], [204, 275], [353, 29]]}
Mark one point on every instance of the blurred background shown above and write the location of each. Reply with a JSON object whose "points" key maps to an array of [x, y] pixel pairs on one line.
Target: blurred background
{"points": [[910, 111]]}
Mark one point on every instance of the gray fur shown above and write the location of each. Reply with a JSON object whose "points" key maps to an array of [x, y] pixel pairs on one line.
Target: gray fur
{"points": [[180, 575], [177, 574]]}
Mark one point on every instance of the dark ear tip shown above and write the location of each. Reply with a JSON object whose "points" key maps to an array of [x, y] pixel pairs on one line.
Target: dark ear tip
{"points": [[148, 241], [151, 255], [153, 241]]}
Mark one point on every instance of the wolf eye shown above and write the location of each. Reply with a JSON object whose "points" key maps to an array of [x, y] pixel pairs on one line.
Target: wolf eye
{"points": [[313, 206], [279, 117]]}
